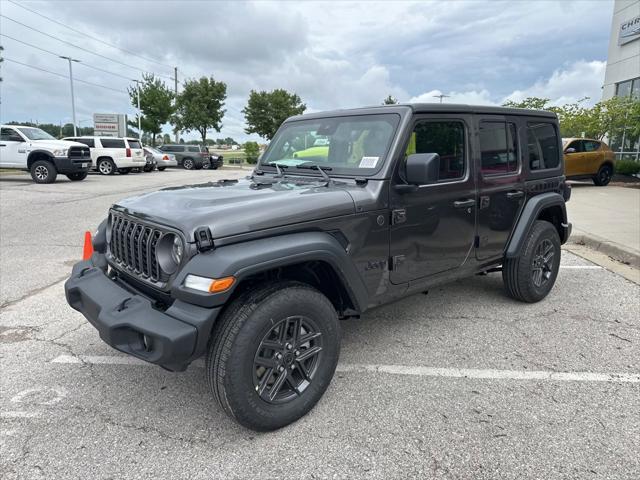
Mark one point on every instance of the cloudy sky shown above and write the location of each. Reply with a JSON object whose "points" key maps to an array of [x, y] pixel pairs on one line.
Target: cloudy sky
{"points": [[333, 54]]}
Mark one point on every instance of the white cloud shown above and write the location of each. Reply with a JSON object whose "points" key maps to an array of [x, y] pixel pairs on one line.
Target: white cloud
{"points": [[581, 79], [472, 97]]}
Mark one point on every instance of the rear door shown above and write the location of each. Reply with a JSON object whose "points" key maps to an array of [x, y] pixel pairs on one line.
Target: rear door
{"points": [[594, 155], [500, 182], [433, 228]]}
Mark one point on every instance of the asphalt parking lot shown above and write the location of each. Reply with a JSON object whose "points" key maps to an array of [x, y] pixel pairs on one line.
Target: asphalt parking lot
{"points": [[460, 383]]}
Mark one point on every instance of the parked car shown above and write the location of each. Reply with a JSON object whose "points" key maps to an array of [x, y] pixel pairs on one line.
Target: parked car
{"points": [[162, 159], [188, 156], [215, 162], [588, 158], [113, 154], [34, 150], [256, 273]]}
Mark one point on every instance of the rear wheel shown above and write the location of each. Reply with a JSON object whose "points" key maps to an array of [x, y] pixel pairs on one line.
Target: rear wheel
{"points": [[76, 177], [188, 164], [603, 177], [272, 354], [43, 171], [106, 166], [530, 276]]}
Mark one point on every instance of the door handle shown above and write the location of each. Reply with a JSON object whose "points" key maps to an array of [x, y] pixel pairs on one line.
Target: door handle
{"points": [[464, 203], [515, 195], [3, 144]]}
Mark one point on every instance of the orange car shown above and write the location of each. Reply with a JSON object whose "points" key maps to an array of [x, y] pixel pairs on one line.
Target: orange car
{"points": [[587, 158]]}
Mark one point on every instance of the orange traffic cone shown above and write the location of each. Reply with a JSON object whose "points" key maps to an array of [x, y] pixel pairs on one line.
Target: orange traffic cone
{"points": [[87, 250]]}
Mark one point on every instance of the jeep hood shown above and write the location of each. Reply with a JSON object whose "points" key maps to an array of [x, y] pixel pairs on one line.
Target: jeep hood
{"points": [[235, 207]]}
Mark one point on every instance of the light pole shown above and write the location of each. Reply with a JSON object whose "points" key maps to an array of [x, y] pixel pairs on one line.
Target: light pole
{"points": [[441, 96], [139, 111], [73, 102]]}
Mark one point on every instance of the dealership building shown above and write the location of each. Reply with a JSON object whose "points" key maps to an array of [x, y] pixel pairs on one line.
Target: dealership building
{"points": [[622, 76]]}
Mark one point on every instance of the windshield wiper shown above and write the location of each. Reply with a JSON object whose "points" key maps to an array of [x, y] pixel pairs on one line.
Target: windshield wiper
{"points": [[321, 169], [278, 168]]}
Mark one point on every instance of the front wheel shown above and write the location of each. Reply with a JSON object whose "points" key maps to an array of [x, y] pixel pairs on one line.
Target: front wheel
{"points": [[76, 177], [603, 177], [530, 276], [43, 171], [273, 354], [188, 164]]}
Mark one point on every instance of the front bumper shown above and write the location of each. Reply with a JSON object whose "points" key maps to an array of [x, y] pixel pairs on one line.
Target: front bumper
{"points": [[130, 322], [72, 165]]}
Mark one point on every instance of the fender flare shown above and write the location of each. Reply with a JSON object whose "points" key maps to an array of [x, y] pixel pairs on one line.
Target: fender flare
{"points": [[529, 215], [244, 259], [36, 152]]}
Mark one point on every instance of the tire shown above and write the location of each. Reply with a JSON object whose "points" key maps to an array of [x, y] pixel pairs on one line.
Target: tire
{"points": [[198, 166], [603, 177], [76, 177], [188, 164], [106, 166], [43, 171], [124, 171], [148, 169], [161, 169], [530, 276], [256, 316], [206, 165]]}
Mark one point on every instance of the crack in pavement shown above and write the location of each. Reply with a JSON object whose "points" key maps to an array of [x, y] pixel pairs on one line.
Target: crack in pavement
{"points": [[31, 293]]}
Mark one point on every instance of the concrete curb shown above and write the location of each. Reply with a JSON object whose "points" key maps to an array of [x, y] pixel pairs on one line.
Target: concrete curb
{"points": [[614, 250]]}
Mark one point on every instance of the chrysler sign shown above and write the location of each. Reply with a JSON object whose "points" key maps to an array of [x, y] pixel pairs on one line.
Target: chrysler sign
{"points": [[629, 31]]}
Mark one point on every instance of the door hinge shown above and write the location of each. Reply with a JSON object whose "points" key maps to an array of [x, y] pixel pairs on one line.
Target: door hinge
{"points": [[204, 240], [398, 216], [396, 261]]}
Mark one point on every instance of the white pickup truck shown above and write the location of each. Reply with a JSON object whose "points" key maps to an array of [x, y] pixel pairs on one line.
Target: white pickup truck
{"points": [[34, 150], [113, 154]]}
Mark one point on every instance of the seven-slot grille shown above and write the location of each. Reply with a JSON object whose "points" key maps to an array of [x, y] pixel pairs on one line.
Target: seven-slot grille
{"points": [[133, 246]]}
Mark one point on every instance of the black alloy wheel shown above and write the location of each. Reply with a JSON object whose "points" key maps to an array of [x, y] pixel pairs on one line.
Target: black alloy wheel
{"points": [[287, 359], [542, 263]]}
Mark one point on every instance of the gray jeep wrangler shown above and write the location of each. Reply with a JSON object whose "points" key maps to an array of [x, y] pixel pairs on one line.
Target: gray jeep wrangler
{"points": [[346, 211]]}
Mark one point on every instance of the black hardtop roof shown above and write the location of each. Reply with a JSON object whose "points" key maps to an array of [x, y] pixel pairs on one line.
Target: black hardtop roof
{"points": [[429, 108]]}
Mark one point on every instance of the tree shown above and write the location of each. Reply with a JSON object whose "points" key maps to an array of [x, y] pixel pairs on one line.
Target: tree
{"points": [[199, 106], [166, 138], [265, 111], [534, 103], [155, 104], [390, 100], [252, 151]]}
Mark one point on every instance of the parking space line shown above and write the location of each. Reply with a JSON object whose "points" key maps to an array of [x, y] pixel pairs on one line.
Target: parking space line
{"points": [[485, 374], [583, 267]]}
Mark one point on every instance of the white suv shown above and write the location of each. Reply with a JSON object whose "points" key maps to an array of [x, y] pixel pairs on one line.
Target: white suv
{"points": [[111, 154], [32, 149]]}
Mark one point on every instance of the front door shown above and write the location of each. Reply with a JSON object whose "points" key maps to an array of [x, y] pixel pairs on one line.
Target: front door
{"points": [[433, 228], [575, 159], [500, 183], [13, 149]]}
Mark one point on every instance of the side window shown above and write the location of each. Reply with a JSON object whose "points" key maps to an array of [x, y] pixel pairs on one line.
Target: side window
{"points": [[194, 149], [542, 143], [591, 146], [576, 145], [87, 141], [498, 148], [447, 139], [112, 142], [10, 135]]}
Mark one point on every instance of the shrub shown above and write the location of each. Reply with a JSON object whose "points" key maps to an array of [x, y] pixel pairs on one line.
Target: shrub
{"points": [[627, 167], [252, 151]]}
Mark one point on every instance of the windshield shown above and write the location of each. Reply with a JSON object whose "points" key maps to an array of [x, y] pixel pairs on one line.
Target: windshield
{"points": [[33, 133], [345, 145]]}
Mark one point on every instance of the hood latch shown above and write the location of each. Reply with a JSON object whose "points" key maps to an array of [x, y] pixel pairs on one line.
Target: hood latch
{"points": [[204, 240]]}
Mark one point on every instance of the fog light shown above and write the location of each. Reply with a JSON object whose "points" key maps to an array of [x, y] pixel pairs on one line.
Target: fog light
{"points": [[209, 285]]}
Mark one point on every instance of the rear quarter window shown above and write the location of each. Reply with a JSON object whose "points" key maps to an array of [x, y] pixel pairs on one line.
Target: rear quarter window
{"points": [[542, 146], [112, 142], [194, 149]]}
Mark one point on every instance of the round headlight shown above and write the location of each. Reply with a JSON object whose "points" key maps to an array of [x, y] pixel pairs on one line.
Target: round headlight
{"points": [[177, 250], [169, 252]]}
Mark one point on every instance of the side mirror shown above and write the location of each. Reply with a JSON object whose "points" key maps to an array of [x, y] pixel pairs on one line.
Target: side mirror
{"points": [[570, 150], [423, 168]]}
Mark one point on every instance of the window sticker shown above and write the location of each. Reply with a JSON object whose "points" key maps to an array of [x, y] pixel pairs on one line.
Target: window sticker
{"points": [[368, 162]]}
